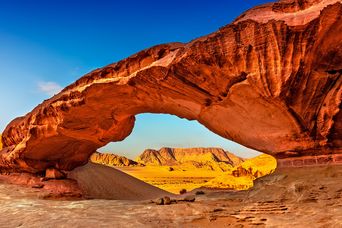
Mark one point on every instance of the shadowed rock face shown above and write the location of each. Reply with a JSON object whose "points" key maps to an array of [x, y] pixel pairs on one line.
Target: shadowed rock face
{"points": [[271, 85]]}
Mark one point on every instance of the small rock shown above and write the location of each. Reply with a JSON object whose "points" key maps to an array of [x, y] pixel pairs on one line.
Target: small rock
{"points": [[173, 201], [167, 200], [218, 210], [52, 173], [183, 191], [189, 199], [38, 186], [42, 179], [200, 193], [160, 201]]}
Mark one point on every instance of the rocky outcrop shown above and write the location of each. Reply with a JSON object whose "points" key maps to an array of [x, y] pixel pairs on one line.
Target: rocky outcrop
{"points": [[256, 167], [198, 156], [112, 160], [270, 81], [242, 176]]}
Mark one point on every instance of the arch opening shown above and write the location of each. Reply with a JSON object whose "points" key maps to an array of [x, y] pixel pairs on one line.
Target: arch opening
{"points": [[154, 131], [175, 154]]}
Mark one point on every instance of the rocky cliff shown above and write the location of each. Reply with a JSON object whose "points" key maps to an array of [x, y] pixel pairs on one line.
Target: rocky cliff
{"points": [[199, 157], [270, 81], [256, 167], [242, 176], [112, 160]]}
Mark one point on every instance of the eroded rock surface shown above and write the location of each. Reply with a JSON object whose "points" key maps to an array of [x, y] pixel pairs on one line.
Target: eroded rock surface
{"points": [[271, 82]]}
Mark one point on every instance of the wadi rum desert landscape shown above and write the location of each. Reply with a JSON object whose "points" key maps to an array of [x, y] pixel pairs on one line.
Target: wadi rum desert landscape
{"points": [[175, 169], [269, 81]]}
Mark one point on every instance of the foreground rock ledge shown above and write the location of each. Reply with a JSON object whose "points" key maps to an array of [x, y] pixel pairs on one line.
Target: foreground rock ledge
{"points": [[270, 81]]}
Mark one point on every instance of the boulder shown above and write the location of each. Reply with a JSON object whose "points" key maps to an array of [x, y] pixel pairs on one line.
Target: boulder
{"points": [[52, 173]]}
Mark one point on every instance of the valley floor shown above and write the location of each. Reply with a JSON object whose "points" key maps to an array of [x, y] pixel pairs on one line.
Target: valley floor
{"points": [[303, 197], [172, 181]]}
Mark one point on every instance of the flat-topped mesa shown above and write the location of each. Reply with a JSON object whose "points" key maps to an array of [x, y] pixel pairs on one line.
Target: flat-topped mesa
{"points": [[178, 156], [269, 85]]}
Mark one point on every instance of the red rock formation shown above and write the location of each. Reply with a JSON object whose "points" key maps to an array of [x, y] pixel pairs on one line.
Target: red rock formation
{"points": [[333, 159], [270, 81]]}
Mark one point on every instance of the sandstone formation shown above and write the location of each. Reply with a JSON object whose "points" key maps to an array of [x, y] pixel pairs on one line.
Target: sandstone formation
{"points": [[112, 160], [258, 166], [242, 176], [270, 81], [198, 157]]}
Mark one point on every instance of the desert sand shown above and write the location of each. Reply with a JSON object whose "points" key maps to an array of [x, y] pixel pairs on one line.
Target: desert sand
{"points": [[174, 181], [102, 182], [192, 168], [305, 197]]}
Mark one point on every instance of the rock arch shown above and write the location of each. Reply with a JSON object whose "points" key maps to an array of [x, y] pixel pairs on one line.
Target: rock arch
{"points": [[272, 86]]}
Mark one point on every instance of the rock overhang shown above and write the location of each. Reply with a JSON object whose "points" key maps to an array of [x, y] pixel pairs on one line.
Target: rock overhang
{"points": [[269, 85]]}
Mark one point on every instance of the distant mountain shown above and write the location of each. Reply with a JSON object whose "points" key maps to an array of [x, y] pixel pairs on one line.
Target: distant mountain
{"points": [[231, 171], [211, 158], [112, 160]]}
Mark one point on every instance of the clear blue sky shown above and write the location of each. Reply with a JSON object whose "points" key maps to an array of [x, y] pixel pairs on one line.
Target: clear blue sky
{"points": [[46, 45]]}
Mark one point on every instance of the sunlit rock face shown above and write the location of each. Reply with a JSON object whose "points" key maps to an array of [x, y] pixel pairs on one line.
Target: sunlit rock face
{"points": [[197, 157], [270, 81], [112, 160]]}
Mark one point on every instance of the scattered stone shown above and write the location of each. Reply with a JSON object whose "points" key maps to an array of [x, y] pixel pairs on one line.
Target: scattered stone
{"points": [[52, 173], [42, 179], [173, 201], [200, 193], [189, 199], [159, 201], [183, 191], [167, 200], [218, 209]]}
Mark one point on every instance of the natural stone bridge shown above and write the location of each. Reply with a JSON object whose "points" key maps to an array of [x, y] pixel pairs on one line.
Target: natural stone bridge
{"points": [[270, 81]]}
